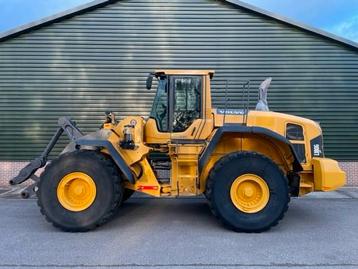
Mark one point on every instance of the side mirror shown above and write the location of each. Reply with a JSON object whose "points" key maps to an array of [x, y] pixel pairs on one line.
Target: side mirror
{"points": [[149, 81]]}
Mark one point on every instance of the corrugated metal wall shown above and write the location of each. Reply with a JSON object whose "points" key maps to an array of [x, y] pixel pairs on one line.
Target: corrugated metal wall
{"points": [[98, 61]]}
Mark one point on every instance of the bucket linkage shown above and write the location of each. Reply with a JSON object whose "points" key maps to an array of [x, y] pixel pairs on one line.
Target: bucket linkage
{"points": [[28, 172]]}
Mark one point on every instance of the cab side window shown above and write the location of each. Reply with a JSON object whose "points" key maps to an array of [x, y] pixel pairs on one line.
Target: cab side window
{"points": [[187, 101]]}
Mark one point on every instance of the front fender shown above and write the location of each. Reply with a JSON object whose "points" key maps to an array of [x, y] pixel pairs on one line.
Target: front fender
{"points": [[92, 143]]}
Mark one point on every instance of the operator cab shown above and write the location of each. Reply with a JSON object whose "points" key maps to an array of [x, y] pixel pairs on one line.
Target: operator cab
{"points": [[178, 102]]}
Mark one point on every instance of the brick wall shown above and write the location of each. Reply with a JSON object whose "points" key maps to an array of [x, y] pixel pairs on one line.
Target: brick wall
{"points": [[351, 168], [10, 169]]}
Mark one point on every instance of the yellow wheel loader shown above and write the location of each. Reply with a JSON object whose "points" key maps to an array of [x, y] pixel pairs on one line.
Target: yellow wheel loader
{"points": [[247, 163]]}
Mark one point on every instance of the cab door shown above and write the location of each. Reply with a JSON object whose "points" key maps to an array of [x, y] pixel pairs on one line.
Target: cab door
{"points": [[185, 122], [179, 123]]}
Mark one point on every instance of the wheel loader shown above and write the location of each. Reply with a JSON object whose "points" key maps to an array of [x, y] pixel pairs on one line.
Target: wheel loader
{"points": [[247, 163]]}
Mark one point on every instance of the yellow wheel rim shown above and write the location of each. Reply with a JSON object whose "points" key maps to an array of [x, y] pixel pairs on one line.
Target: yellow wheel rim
{"points": [[76, 191], [249, 193]]}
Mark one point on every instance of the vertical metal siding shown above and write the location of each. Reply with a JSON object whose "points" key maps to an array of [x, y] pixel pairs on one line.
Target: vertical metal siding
{"points": [[98, 61]]}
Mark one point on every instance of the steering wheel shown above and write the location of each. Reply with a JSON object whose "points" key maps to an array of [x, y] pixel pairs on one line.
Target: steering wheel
{"points": [[183, 120], [179, 121]]}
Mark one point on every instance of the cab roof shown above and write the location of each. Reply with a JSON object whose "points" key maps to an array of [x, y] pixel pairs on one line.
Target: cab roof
{"points": [[185, 72]]}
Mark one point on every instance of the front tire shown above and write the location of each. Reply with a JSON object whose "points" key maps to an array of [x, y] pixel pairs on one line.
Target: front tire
{"points": [[247, 192], [127, 194], [79, 191]]}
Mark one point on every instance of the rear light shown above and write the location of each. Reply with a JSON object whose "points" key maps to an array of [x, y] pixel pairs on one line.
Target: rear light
{"points": [[143, 188]]}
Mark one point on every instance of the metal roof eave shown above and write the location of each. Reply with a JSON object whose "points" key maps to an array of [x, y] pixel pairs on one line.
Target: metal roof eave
{"points": [[291, 22], [54, 18], [100, 3]]}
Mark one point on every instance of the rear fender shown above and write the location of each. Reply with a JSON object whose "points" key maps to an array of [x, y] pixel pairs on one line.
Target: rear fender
{"points": [[257, 139]]}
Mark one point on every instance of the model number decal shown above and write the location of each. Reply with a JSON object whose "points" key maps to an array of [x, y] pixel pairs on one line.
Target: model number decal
{"points": [[317, 147], [316, 150]]}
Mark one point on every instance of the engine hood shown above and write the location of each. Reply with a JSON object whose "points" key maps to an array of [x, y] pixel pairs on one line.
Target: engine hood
{"points": [[271, 120]]}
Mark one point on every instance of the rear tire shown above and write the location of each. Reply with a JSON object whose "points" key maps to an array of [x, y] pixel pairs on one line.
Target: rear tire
{"points": [[108, 191], [250, 215]]}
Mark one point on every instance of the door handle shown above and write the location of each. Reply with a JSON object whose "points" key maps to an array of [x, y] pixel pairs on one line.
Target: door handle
{"points": [[192, 132]]}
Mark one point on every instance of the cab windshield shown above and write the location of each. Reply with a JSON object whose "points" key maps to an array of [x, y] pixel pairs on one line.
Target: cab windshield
{"points": [[160, 105]]}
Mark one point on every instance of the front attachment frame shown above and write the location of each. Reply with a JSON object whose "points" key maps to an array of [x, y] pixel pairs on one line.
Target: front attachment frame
{"points": [[66, 125]]}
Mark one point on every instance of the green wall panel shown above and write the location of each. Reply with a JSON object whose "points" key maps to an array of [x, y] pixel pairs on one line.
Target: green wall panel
{"points": [[98, 61]]}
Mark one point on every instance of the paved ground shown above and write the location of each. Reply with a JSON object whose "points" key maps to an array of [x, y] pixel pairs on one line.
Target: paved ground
{"points": [[320, 231]]}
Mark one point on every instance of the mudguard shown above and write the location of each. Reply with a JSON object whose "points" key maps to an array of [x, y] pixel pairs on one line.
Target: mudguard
{"points": [[236, 128], [93, 143]]}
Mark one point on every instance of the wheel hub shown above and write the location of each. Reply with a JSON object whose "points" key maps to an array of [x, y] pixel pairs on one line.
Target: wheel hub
{"points": [[76, 191], [249, 193]]}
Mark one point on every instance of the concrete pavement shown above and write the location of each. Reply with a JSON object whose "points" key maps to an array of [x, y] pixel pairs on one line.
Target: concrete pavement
{"points": [[317, 232]]}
